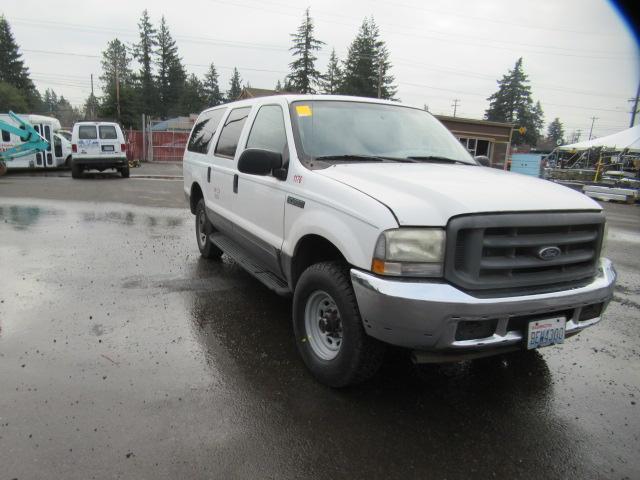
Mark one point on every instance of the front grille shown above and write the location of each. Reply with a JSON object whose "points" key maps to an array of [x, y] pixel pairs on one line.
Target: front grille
{"points": [[502, 251]]}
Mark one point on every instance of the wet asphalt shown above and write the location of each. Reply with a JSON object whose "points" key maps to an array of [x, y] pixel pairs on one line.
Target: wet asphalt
{"points": [[123, 354]]}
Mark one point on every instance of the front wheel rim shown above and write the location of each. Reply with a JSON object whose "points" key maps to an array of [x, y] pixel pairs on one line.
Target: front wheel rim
{"points": [[202, 236], [323, 325]]}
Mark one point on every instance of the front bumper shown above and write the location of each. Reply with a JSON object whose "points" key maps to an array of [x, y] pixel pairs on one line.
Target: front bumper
{"points": [[425, 315]]}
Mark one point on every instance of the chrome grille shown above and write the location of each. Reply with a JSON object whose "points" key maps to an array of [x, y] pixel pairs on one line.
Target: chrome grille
{"points": [[502, 251]]}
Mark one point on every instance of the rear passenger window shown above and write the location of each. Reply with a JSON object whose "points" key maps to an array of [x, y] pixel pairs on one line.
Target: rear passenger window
{"points": [[204, 130], [230, 134], [268, 131], [87, 132], [6, 136], [107, 132]]}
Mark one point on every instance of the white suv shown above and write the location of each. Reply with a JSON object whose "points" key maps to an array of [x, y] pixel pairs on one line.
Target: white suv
{"points": [[386, 231], [98, 146]]}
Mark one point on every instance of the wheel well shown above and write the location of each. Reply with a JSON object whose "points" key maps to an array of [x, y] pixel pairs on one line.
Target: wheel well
{"points": [[194, 197], [312, 249]]}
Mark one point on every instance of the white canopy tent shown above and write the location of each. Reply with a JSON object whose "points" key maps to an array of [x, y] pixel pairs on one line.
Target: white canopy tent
{"points": [[627, 139]]}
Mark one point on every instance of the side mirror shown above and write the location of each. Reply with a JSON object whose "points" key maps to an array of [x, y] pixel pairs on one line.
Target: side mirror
{"points": [[256, 161], [483, 160]]}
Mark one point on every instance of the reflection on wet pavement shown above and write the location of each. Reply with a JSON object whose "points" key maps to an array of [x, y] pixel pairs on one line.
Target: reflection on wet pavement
{"points": [[124, 354]]}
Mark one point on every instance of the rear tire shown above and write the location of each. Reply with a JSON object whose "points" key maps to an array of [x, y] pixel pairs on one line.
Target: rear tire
{"points": [[328, 327], [76, 170], [204, 228], [124, 171]]}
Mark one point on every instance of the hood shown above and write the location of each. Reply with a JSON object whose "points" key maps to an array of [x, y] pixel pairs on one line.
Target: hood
{"points": [[429, 194]]}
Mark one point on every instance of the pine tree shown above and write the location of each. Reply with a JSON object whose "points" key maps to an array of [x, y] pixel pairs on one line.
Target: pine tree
{"points": [[235, 86], [366, 68], [143, 52], [12, 99], [333, 78], [513, 103], [116, 64], [555, 132], [13, 70], [278, 87], [194, 98], [171, 73], [212, 88], [90, 108], [304, 77]]}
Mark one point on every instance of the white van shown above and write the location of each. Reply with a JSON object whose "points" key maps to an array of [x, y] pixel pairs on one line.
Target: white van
{"points": [[98, 146], [57, 155]]}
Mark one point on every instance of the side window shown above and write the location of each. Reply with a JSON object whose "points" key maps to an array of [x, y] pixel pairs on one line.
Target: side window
{"points": [[268, 131], [6, 136], [87, 132], [204, 130], [47, 136], [230, 134]]}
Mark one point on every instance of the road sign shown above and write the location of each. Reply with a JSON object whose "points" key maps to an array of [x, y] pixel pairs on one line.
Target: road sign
{"points": [[522, 130]]}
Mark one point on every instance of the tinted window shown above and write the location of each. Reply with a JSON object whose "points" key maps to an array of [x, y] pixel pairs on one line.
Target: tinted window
{"points": [[87, 132], [107, 132], [228, 140], [47, 136], [6, 136], [268, 131], [204, 130]]}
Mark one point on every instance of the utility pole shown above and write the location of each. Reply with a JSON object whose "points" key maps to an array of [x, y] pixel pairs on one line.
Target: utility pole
{"points": [[634, 111], [92, 112], [455, 103], [593, 119], [117, 92], [379, 79]]}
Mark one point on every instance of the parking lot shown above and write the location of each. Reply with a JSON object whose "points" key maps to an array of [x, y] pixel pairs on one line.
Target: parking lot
{"points": [[123, 354]]}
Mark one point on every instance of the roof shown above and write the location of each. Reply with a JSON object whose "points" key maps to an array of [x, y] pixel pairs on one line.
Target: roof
{"points": [[250, 92], [626, 139], [474, 120]]}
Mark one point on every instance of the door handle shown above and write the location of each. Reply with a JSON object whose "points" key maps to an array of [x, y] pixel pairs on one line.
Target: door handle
{"points": [[209, 175], [235, 183]]}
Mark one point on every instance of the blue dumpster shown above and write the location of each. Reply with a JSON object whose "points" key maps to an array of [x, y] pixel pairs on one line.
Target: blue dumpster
{"points": [[527, 164]]}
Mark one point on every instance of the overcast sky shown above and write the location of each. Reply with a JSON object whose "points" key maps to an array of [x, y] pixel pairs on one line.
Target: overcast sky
{"points": [[580, 56]]}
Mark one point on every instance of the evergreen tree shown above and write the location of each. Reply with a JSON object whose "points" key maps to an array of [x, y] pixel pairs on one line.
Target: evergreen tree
{"points": [[194, 97], [143, 52], [235, 86], [91, 107], [278, 87], [211, 87], [366, 69], [171, 73], [513, 103], [13, 70], [555, 132], [333, 78], [304, 77], [116, 64], [12, 99]]}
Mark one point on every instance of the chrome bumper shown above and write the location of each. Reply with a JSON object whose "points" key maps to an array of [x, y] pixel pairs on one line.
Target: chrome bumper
{"points": [[424, 315]]}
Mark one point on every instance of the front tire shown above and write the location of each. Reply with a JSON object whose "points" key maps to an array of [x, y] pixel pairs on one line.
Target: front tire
{"points": [[124, 171], [328, 327], [203, 230]]}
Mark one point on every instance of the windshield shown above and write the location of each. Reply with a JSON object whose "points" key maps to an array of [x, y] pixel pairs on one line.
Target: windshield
{"points": [[327, 128]]}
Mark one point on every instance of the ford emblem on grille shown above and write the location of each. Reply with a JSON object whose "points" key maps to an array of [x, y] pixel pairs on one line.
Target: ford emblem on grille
{"points": [[548, 253]]}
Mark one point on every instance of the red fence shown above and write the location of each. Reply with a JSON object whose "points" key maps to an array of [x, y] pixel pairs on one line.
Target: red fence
{"points": [[161, 146]]}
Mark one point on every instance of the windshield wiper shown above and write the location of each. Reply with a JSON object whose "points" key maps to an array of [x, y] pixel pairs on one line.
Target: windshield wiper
{"points": [[434, 158], [360, 158]]}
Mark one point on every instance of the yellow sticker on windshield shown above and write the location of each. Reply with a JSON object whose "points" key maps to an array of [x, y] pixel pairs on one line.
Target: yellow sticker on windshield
{"points": [[303, 110]]}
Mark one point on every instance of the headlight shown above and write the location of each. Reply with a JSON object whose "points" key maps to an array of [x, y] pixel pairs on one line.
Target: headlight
{"points": [[412, 252]]}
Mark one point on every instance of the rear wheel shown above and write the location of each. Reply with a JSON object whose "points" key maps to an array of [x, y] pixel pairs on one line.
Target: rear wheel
{"points": [[76, 170], [203, 230], [328, 327], [124, 171]]}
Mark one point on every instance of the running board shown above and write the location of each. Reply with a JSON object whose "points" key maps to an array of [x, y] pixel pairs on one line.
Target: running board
{"points": [[240, 256]]}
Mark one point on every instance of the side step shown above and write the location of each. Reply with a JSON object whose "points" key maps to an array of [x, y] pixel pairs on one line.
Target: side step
{"points": [[238, 254]]}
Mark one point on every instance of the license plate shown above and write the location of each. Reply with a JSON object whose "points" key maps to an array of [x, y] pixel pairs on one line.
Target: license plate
{"points": [[549, 331], [107, 148]]}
